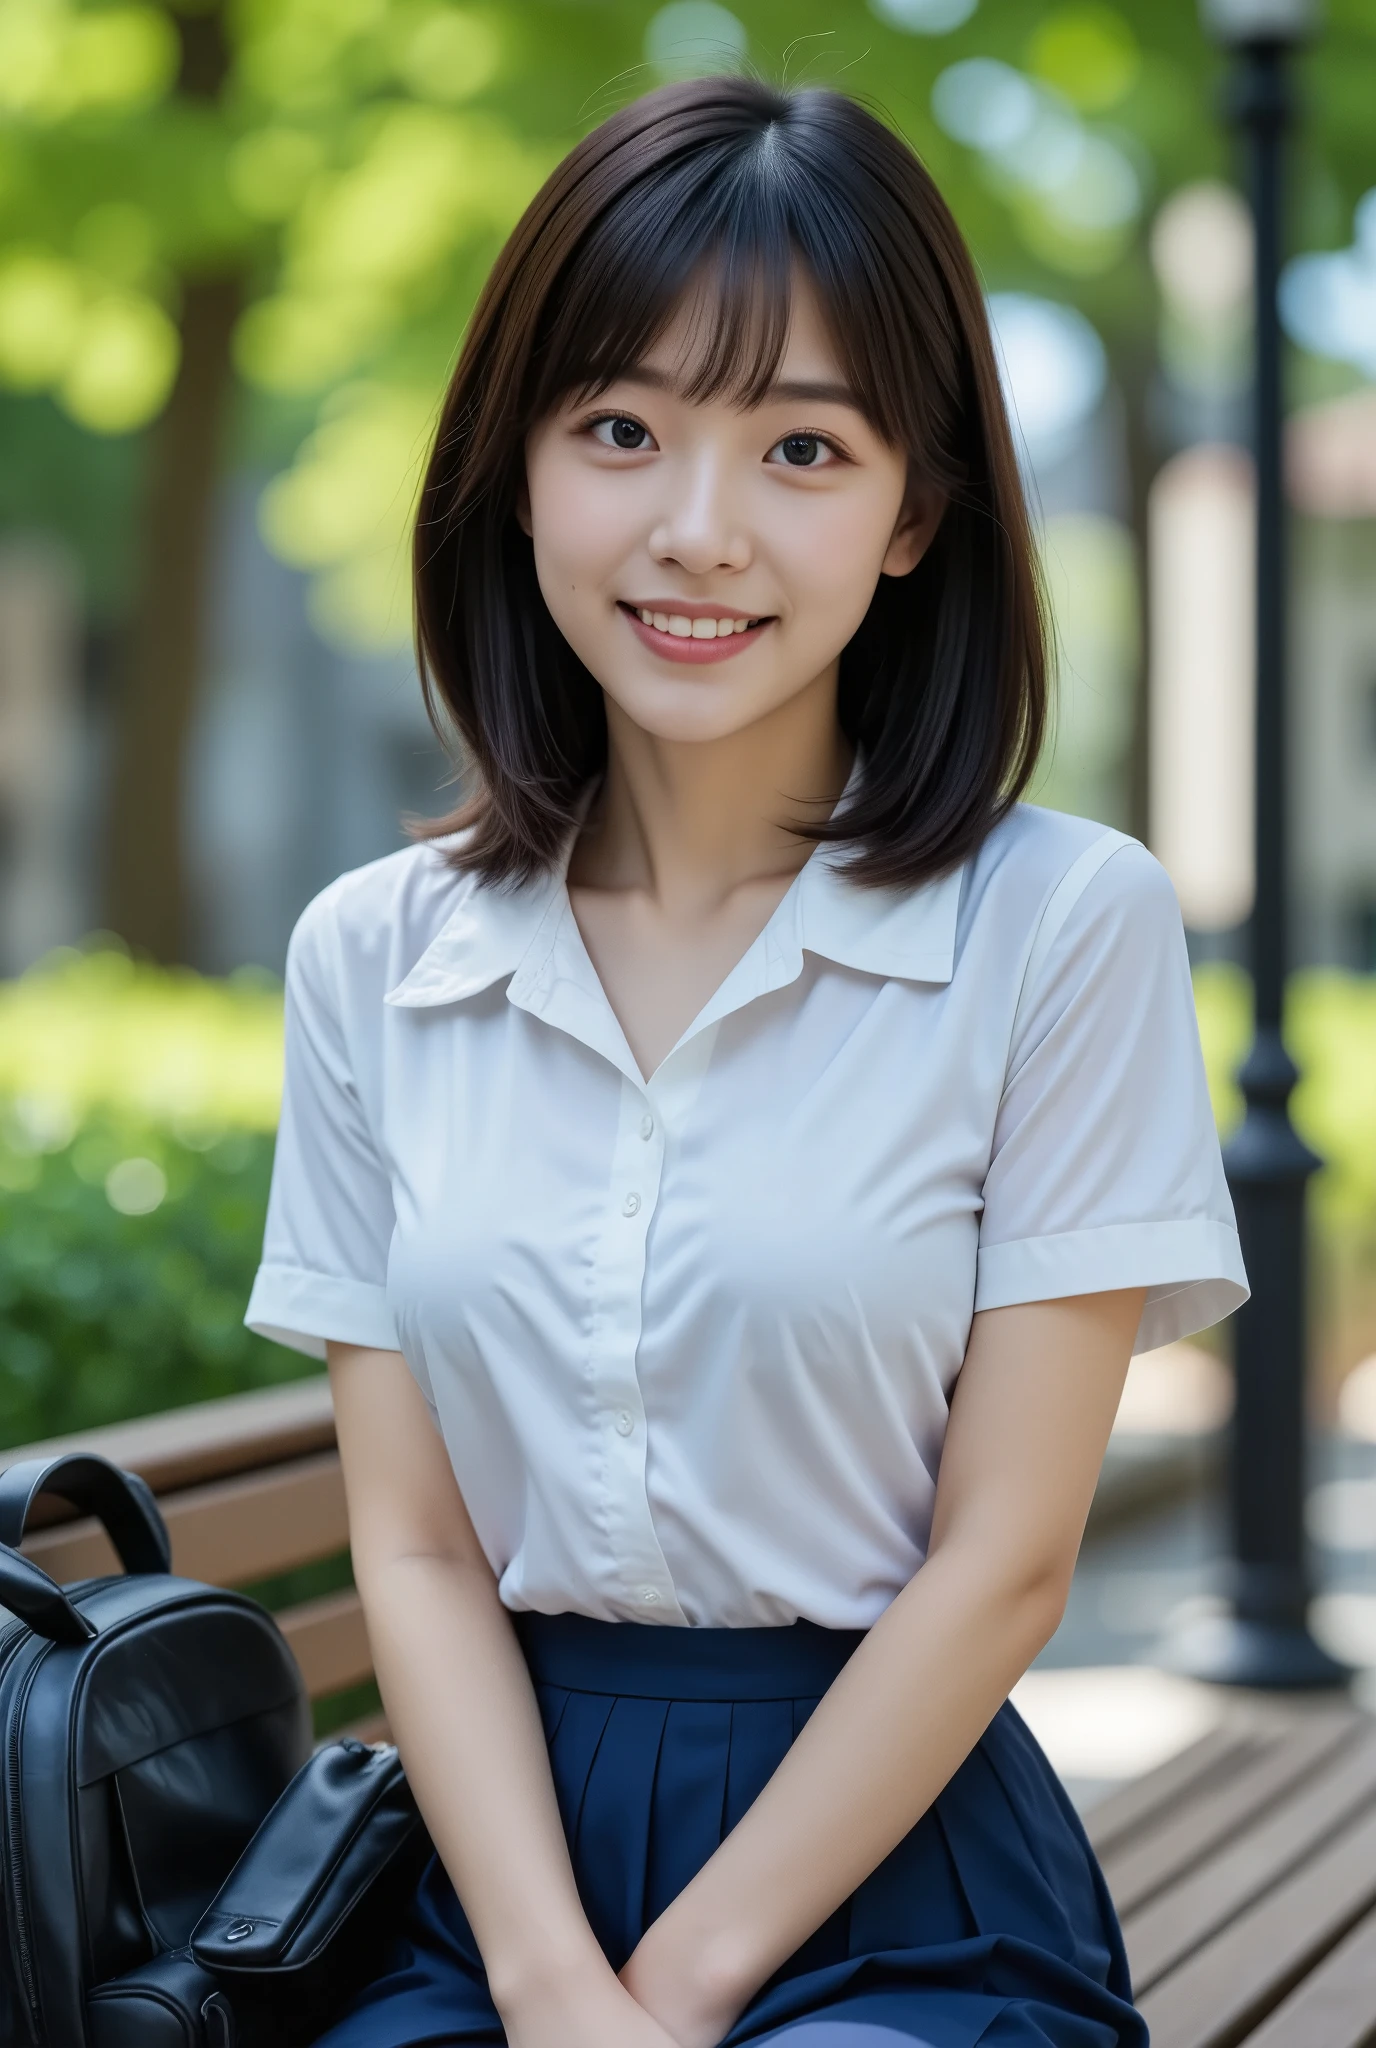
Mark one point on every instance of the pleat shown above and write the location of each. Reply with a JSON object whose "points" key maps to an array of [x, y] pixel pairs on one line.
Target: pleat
{"points": [[761, 1731], [914, 1898], [552, 1701], [1021, 1862], [610, 1847], [1057, 1842], [573, 1751], [689, 1798]]}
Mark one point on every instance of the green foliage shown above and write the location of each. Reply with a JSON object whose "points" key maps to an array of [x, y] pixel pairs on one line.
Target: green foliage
{"points": [[136, 1116], [356, 163], [104, 1314], [1330, 1026]]}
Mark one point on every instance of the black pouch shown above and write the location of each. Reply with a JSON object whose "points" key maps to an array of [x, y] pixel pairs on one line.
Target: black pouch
{"points": [[304, 1916]]}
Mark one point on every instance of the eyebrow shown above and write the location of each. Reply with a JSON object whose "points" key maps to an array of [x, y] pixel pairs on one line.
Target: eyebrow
{"points": [[789, 390]]}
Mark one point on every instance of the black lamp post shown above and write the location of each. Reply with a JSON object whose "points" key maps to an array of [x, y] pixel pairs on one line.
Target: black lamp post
{"points": [[1263, 1638]]}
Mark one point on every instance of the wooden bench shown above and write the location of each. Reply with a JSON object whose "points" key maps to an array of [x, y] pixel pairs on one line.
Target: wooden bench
{"points": [[1244, 1869]]}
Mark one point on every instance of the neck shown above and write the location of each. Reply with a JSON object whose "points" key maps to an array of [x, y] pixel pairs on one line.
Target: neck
{"points": [[690, 821]]}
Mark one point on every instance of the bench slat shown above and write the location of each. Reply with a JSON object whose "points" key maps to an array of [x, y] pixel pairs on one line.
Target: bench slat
{"points": [[330, 1642], [1187, 1840], [1258, 1857], [208, 1440], [1336, 2007], [1147, 1801], [1240, 1976], [229, 1532]]}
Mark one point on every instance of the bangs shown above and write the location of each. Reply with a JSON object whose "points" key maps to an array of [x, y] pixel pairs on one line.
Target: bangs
{"points": [[722, 240]]}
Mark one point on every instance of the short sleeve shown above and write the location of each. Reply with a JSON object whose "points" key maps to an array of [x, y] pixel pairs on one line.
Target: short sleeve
{"points": [[330, 1216], [1106, 1170]]}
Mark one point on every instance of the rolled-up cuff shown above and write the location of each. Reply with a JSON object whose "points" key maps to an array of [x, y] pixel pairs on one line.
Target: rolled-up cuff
{"points": [[1192, 1270], [303, 1310]]}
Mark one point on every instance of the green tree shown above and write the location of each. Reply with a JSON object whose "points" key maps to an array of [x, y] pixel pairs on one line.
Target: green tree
{"points": [[261, 224]]}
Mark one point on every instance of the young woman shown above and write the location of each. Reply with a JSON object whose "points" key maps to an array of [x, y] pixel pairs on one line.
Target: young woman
{"points": [[729, 1164]]}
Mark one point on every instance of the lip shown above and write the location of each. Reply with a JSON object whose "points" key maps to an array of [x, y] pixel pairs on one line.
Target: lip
{"points": [[693, 653], [689, 607]]}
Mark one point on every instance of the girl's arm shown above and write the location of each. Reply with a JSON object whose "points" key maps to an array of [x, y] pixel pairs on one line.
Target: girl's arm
{"points": [[463, 1713], [1029, 1423]]}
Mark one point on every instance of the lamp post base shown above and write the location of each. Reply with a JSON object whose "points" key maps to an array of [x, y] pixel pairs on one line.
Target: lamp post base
{"points": [[1274, 1656]]}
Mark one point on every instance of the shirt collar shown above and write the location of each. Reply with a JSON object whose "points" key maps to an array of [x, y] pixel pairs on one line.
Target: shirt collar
{"points": [[901, 934], [494, 930]]}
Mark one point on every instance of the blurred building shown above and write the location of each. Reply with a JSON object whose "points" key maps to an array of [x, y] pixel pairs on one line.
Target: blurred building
{"points": [[1201, 525], [304, 758], [1332, 460]]}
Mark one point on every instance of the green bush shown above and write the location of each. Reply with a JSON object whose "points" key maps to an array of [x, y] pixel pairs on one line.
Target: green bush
{"points": [[105, 1313], [136, 1117], [137, 1109]]}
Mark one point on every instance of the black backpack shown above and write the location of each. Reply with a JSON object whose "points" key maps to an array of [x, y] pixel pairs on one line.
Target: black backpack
{"points": [[147, 1725]]}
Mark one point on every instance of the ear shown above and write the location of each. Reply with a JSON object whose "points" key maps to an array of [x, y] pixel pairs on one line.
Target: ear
{"points": [[924, 508], [523, 518]]}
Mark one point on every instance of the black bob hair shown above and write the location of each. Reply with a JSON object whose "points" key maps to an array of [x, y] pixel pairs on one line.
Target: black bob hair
{"points": [[943, 688]]}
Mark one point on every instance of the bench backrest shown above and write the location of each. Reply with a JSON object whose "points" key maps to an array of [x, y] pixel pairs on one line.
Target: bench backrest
{"points": [[251, 1489]]}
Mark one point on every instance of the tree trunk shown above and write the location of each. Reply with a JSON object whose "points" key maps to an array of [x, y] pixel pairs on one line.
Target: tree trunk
{"points": [[145, 878]]}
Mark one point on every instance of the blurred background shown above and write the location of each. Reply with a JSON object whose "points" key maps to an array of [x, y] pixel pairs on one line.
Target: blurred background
{"points": [[238, 245]]}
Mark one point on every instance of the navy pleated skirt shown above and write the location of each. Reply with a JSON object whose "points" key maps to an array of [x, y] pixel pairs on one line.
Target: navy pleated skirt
{"points": [[990, 1922]]}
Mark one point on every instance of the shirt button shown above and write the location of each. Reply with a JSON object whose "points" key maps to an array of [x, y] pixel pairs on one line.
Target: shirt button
{"points": [[649, 1596], [647, 1127], [631, 1205], [625, 1422]]}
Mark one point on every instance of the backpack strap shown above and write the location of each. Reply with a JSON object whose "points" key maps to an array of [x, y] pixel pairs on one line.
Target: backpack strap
{"points": [[35, 1598], [120, 1500]]}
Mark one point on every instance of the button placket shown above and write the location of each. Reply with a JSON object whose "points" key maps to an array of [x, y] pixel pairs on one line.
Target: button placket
{"points": [[641, 1573]]}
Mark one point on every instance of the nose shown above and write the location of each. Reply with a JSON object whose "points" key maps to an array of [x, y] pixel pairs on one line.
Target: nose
{"points": [[698, 528]]}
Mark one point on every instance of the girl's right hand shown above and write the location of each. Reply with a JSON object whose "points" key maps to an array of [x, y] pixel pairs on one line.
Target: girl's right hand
{"points": [[602, 2015]]}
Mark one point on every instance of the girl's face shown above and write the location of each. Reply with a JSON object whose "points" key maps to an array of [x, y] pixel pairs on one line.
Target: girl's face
{"points": [[707, 563]]}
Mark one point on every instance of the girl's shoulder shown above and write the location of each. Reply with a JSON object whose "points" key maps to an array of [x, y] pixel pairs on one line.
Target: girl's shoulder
{"points": [[1038, 867], [1053, 904], [365, 930]]}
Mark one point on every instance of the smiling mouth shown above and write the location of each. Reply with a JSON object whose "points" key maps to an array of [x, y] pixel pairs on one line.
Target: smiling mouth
{"points": [[680, 627], [673, 636]]}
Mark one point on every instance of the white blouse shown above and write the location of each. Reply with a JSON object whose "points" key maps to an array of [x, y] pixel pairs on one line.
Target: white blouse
{"points": [[691, 1340]]}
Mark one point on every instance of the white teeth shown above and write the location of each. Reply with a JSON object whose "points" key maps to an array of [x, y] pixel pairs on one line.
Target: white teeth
{"points": [[684, 628]]}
